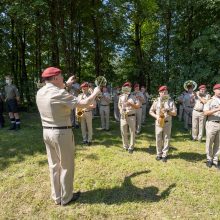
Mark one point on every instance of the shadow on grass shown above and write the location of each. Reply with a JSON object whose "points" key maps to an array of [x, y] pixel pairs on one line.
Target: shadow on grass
{"points": [[126, 193], [152, 150], [188, 156]]}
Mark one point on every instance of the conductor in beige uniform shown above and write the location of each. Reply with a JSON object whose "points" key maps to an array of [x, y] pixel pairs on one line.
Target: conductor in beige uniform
{"points": [[198, 117], [87, 116], [55, 105], [162, 109], [212, 111], [104, 108], [127, 105]]}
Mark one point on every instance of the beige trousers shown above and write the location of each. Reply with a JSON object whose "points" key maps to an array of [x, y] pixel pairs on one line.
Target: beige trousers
{"points": [[198, 122], [163, 138], [86, 126], [212, 141], [104, 114], [60, 148], [129, 123]]}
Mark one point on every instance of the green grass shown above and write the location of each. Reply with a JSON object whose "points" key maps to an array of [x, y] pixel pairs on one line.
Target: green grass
{"points": [[114, 183]]}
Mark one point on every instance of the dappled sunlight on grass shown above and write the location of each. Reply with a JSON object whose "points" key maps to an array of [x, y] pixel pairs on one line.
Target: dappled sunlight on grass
{"points": [[114, 183]]}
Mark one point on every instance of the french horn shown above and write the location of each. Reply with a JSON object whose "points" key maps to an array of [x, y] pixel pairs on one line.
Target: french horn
{"points": [[190, 83]]}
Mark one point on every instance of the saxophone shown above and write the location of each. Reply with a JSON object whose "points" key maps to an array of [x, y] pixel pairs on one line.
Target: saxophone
{"points": [[79, 113], [124, 112], [161, 120]]}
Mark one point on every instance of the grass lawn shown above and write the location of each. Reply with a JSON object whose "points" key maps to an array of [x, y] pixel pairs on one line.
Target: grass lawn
{"points": [[114, 183]]}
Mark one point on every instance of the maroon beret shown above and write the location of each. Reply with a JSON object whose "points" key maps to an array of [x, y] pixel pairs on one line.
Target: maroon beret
{"points": [[202, 87], [84, 84], [162, 88], [51, 71], [136, 85], [127, 84], [216, 86]]}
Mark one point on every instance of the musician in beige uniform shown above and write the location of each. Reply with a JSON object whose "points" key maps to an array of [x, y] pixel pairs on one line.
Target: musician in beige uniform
{"points": [[86, 118], [198, 117], [139, 95], [104, 108], [212, 111], [127, 105], [55, 105], [162, 109]]}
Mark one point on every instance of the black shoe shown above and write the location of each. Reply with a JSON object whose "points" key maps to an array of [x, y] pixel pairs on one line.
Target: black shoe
{"points": [[130, 151], [74, 198], [84, 142], [209, 164], [107, 129], [89, 143], [164, 159], [158, 158], [76, 126]]}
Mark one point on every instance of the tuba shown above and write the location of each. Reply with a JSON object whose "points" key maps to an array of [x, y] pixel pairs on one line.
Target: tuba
{"points": [[100, 81], [190, 83], [161, 121]]}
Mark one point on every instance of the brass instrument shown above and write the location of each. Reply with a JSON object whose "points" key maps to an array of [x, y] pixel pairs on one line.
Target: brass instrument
{"points": [[126, 90], [161, 120], [124, 112], [100, 81], [190, 83], [79, 113]]}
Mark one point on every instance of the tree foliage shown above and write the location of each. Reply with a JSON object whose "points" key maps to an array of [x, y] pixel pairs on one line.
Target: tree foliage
{"points": [[152, 42]]}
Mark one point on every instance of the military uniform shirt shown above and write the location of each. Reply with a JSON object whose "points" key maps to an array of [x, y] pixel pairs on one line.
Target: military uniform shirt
{"points": [[213, 103], [55, 105], [11, 92], [198, 104], [156, 108]]}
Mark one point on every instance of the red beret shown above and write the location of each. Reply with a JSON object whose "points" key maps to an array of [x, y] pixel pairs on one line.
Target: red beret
{"points": [[127, 84], [202, 87], [136, 85], [216, 86], [162, 88], [85, 84], [50, 71]]}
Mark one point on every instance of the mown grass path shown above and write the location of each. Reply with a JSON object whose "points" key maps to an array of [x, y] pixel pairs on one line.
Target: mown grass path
{"points": [[114, 183]]}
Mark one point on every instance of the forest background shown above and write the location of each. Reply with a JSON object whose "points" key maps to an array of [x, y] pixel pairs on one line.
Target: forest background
{"points": [[151, 42]]}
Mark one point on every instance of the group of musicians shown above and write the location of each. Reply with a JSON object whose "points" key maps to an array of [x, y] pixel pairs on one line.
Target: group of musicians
{"points": [[197, 109]]}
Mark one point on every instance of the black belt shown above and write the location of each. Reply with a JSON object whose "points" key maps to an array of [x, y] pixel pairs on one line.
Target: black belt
{"points": [[198, 110], [88, 111], [143, 103], [216, 121], [189, 106], [131, 115], [104, 105], [62, 127]]}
